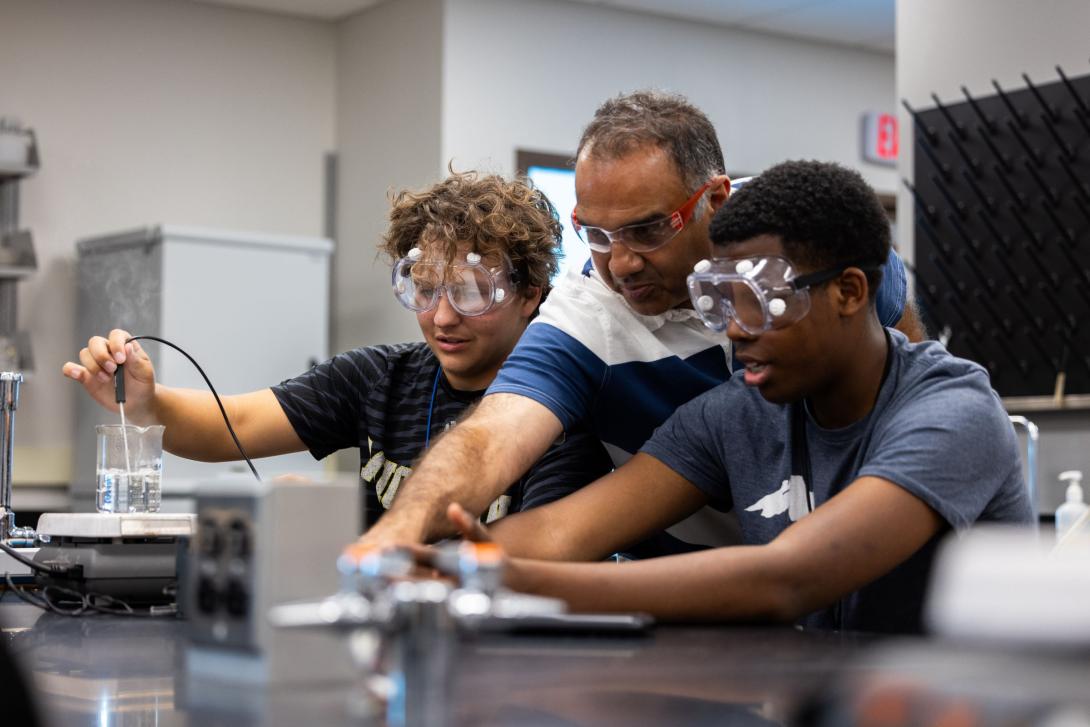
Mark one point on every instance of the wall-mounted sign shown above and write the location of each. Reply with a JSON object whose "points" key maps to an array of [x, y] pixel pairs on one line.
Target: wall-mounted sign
{"points": [[880, 139]]}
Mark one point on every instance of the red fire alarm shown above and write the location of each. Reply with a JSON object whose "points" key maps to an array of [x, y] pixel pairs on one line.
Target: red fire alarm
{"points": [[880, 138]]}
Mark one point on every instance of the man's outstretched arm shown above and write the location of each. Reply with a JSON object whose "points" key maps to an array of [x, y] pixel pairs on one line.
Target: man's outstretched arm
{"points": [[639, 498], [854, 538], [472, 464]]}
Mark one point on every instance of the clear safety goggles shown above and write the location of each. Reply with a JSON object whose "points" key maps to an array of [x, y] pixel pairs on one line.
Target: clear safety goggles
{"points": [[471, 288], [642, 236], [757, 292]]}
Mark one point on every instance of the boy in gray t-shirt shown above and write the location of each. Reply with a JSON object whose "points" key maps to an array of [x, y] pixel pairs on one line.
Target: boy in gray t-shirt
{"points": [[845, 451], [936, 430]]}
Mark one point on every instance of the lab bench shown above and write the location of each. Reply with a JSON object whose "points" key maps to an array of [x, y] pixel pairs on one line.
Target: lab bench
{"points": [[106, 671]]}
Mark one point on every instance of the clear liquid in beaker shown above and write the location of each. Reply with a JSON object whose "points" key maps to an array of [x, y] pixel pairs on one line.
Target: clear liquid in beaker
{"points": [[106, 490], [121, 491], [129, 471]]}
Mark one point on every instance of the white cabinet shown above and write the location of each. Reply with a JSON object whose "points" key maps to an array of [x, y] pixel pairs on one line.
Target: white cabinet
{"points": [[252, 309]]}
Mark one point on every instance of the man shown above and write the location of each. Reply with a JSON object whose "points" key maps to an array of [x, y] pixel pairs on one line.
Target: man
{"points": [[473, 256], [619, 346], [845, 450]]}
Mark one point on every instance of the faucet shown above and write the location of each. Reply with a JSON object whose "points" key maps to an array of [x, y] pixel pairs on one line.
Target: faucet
{"points": [[9, 402], [404, 634], [1032, 436]]}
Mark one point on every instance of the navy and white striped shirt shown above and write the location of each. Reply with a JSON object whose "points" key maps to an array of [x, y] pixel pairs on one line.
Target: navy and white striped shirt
{"points": [[593, 361]]}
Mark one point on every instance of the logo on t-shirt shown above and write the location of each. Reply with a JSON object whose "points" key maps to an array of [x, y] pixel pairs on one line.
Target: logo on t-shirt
{"points": [[790, 498], [387, 476]]}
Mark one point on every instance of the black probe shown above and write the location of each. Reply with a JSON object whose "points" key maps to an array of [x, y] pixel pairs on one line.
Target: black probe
{"points": [[119, 384], [119, 393]]}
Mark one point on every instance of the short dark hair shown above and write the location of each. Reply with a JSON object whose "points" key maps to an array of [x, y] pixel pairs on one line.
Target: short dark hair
{"points": [[651, 118], [825, 215]]}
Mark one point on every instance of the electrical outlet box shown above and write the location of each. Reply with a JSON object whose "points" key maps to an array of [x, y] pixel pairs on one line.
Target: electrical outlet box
{"points": [[258, 545]]}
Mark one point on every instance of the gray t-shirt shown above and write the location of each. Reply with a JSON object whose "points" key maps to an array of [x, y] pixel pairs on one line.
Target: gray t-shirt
{"points": [[937, 429]]}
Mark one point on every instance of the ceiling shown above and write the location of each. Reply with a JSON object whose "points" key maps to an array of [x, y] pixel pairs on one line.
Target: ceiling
{"points": [[862, 23]]}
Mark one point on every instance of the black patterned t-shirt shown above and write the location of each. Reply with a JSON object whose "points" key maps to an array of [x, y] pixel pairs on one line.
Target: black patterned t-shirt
{"points": [[382, 399]]}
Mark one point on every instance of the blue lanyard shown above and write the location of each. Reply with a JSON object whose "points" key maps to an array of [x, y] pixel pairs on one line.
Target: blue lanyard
{"points": [[431, 407]]}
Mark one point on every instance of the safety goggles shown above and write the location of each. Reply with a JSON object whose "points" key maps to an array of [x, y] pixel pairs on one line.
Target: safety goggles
{"points": [[471, 288], [757, 292], [642, 236]]}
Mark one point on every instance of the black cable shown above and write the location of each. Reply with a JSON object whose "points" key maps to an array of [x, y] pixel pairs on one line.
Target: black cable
{"points": [[23, 595], [58, 606], [102, 603], [70, 602], [40, 567], [211, 388]]}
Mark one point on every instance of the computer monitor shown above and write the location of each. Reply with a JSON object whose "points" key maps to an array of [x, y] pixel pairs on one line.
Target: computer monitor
{"points": [[554, 174]]}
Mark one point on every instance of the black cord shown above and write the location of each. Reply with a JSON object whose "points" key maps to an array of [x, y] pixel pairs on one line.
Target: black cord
{"points": [[70, 602], [211, 388], [40, 567], [59, 603], [23, 595], [101, 603]]}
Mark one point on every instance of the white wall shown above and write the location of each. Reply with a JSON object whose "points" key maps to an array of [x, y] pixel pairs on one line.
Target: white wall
{"points": [[388, 99], [942, 45], [531, 73], [151, 111]]}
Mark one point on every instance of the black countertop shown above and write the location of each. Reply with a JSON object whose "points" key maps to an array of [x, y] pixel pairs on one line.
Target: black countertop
{"points": [[107, 671]]}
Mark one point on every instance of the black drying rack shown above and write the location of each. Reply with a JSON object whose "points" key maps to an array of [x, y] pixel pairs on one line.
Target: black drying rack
{"points": [[1002, 231]]}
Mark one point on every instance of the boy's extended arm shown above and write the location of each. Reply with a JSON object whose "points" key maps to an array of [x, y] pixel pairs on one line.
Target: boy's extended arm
{"points": [[639, 498], [854, 538], [472, 464], [194, 425]]}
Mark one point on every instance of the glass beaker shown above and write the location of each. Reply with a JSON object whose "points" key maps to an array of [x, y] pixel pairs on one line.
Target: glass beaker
{"points": [[129, 468]]}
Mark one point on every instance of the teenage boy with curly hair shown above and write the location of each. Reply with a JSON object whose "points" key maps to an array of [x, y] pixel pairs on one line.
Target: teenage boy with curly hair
{"points": [[472, 258]]}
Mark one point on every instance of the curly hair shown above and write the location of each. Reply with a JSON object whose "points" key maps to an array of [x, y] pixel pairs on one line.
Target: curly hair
{"points": [[492, 214], [652, 118], [825, 215]]}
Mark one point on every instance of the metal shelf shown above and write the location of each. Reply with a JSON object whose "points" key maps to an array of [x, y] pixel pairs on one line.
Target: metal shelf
{"points": [[18, 151], [17, 258], [1020, 404]]}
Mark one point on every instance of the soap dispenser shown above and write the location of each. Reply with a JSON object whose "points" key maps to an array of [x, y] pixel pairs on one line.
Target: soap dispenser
{"points": [[1074, 507]]}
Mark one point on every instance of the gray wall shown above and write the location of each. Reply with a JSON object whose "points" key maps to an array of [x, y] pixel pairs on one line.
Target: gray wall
{"points": [[530, 74], [151, 111], [389, 90], [943, 45]]}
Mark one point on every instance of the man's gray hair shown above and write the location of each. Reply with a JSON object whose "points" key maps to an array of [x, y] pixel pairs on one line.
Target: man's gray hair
{"points": [[652, 118]]}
